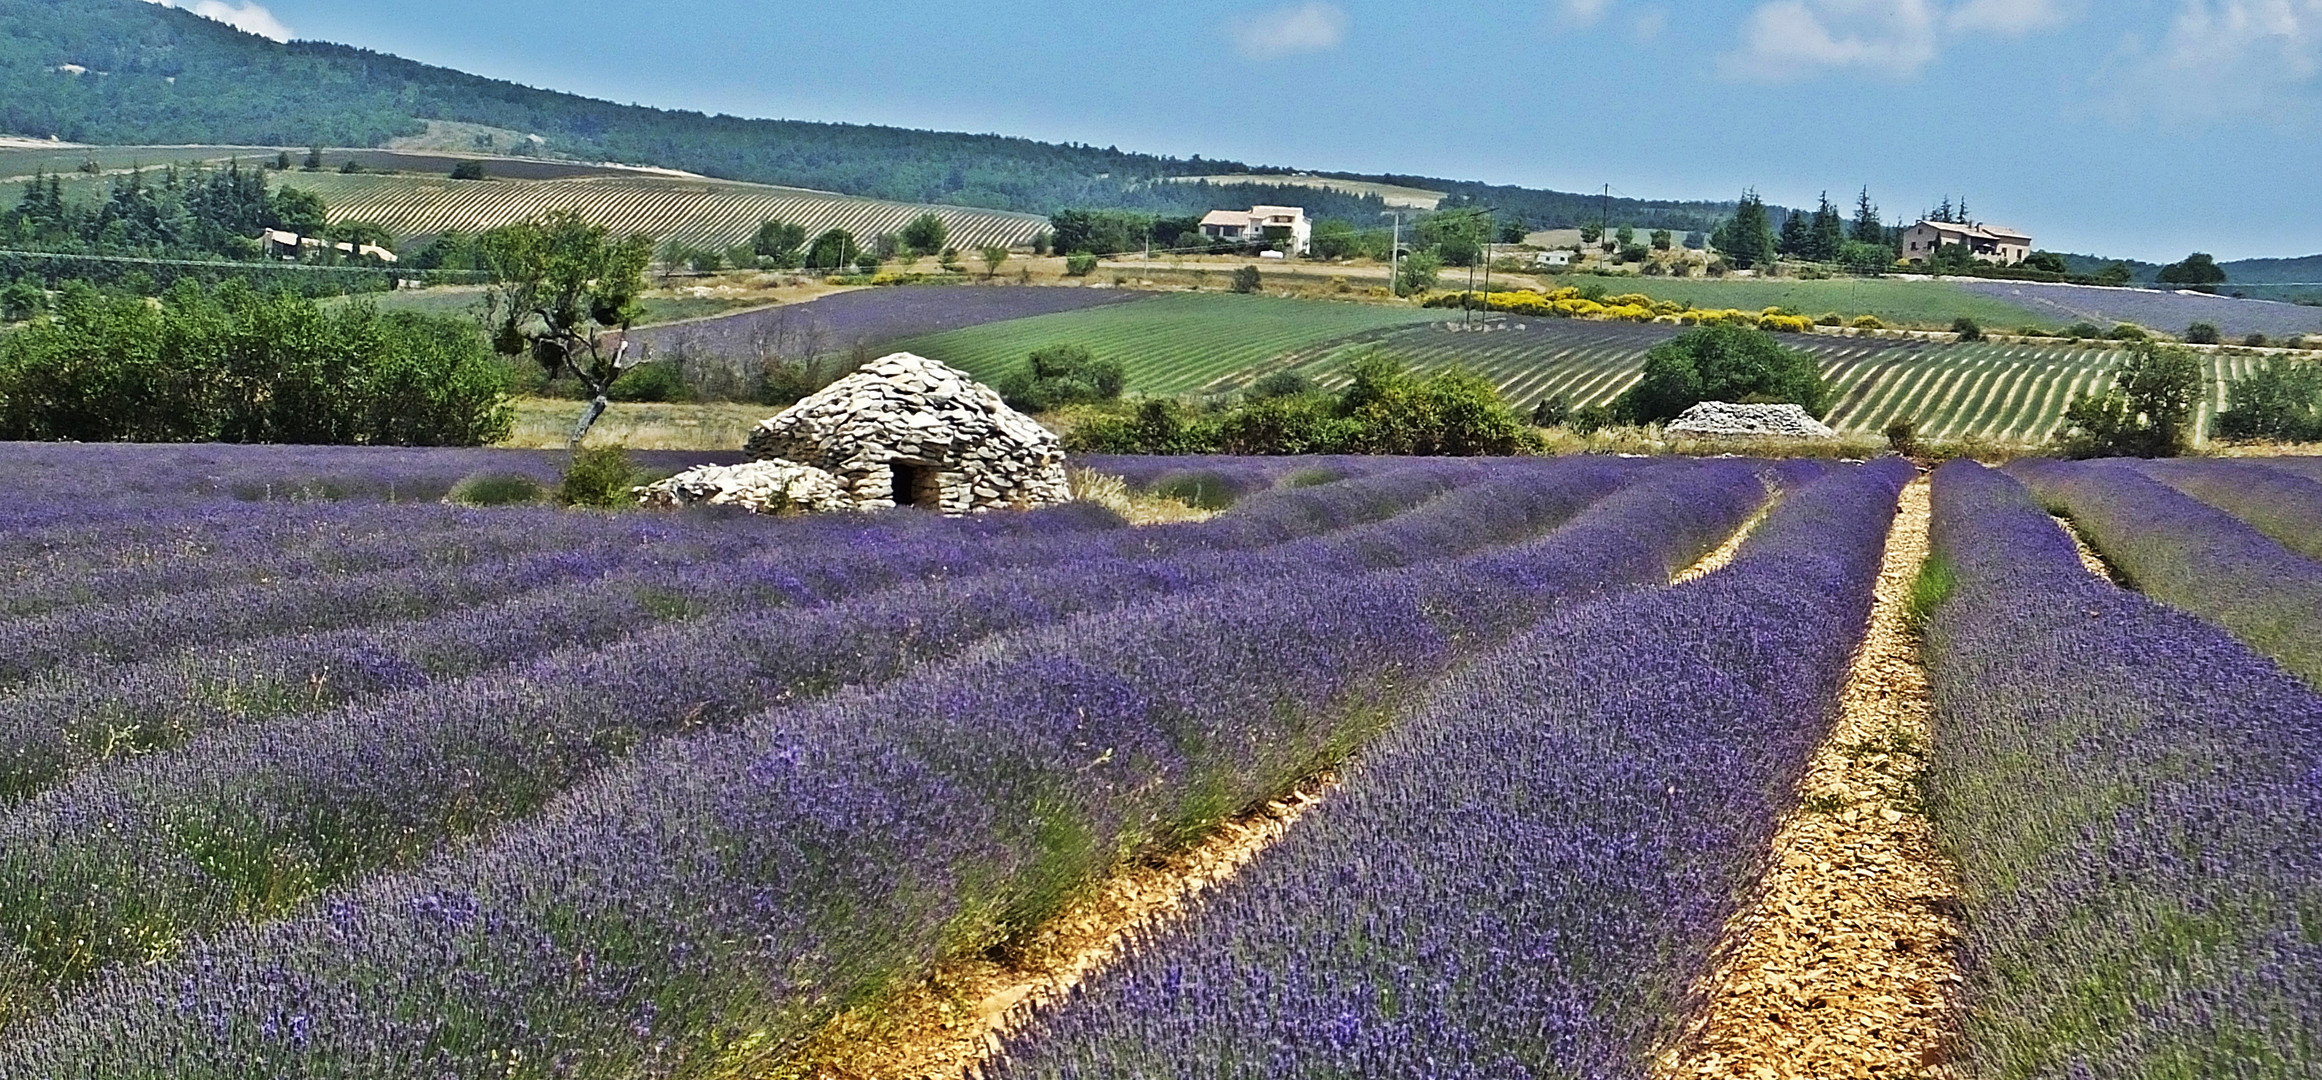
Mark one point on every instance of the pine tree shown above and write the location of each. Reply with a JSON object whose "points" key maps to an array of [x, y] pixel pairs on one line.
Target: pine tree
{"points": [[1795, 241], [1746, 239], [1867, 227], [1827, 231]]}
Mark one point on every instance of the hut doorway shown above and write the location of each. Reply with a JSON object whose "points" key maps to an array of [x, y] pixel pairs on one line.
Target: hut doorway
{"points": [[917, 484]]}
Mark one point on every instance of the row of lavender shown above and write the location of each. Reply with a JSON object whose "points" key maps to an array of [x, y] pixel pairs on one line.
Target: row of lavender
{"points": [[72, 479], [246, 819], [1525, 880], [2197, 556], [708, 901], [560, 581], [2133, 796]]}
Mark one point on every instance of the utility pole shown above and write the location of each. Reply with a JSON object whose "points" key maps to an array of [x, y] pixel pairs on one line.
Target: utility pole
{"points": [[1394, 254], [1604, 215]]}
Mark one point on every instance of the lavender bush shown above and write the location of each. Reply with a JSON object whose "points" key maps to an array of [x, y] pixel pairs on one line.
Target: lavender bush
{"points": [[705, 904], [248, 822], [2284, 505], [2134, 800], [2197, 557], [1524, 881]]}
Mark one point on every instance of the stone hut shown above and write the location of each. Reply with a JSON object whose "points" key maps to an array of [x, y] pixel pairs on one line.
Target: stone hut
{"points": [[908, 431]]}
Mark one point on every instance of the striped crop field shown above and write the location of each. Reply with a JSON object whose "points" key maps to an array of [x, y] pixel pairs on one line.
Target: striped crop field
{"points": [[712, 213], [2007, 391], [1172, 344]]}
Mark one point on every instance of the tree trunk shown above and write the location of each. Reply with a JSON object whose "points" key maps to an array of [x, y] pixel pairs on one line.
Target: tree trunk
{"points": [[588, 419]]}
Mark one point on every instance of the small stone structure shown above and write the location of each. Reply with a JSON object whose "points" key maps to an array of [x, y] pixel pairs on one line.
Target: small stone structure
{"points": [[908, 431], [761, 487], [1717, 418]]}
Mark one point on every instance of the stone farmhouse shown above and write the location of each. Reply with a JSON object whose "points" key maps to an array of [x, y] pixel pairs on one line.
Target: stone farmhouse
{"points": [[1261, 223], [287, 245], [1986, 243]]}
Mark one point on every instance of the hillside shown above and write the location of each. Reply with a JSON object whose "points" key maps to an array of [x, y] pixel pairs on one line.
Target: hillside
{"points": [[161, 75]]}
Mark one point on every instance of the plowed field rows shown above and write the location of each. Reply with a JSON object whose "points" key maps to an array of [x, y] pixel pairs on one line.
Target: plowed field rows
{"points": [[706, 212], [1994, 390]]}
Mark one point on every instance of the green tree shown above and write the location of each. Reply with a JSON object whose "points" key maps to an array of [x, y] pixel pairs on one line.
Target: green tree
{"points": [[1746, 239], [1418, 273], [294, 210], [1868, 229], [2280, 401], [2146, 413], [1825, 233], [2202, 333], [2199, 270], [833, 250], [1591, 232], [1334, 239], [778, 242], [1722, 363], [565, 292], [361, 234], [22, 300], [1663, 240], [1247, 280], [926, 234], [2046, 261], [2115, 274], [467, 170], [994, 255], [1625, 236]]}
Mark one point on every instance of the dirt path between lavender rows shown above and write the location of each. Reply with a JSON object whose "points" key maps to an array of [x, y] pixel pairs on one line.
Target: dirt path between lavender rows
{"points": [[950, 1025], [1843, 966]]}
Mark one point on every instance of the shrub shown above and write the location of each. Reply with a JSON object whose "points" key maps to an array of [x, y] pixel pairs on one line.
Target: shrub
{"points": [[2202, 333], [1061, 375], [2281, 400], [1200, 490], [496, 489], [2148, 411], [2129, 332], [2256, 341], [1281, 384], [1553, 411], [1903, 436], [1247, 280], [468, 170], [599, 476], [1967, 329], [654, 382], [1080, 264], [1830, 318], [231, 365], [1722, 363], [1590, 419], [22, 300], [1868, 322]]}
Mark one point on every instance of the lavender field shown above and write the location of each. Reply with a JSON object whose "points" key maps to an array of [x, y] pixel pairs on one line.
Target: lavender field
{"points": [[305, 773], [868, 319]]}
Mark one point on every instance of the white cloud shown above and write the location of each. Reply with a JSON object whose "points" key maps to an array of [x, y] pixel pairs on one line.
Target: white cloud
{"points": [[2006, 16], [1791, 39], [248, 16], [2224, 57], [1306, 28], [1788, 39], [1583, 12]]}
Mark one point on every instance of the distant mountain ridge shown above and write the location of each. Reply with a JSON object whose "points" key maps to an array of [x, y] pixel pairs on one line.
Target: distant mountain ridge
{"points": [[150, 74]]}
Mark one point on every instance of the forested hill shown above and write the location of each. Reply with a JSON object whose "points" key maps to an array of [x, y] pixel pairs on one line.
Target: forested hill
{"points": [[161, 75]]}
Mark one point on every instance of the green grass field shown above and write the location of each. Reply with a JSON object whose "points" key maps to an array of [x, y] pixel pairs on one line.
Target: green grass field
{"points": [[1899, 303], [1172, 344], [18, 162]]}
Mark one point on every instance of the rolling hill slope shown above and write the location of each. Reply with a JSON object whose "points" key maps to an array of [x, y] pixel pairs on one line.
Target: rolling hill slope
{"points": [[155, 74]]}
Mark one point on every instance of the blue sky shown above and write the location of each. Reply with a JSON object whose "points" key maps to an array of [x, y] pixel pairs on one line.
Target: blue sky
{"points": [[2144, 128]]}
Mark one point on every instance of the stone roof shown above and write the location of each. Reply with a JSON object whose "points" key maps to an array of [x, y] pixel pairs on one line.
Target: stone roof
{"points": [[906, 412], [1722, 419]]}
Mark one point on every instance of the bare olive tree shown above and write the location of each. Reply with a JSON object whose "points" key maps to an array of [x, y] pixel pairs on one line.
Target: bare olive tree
{"points": [[565, 292]]}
